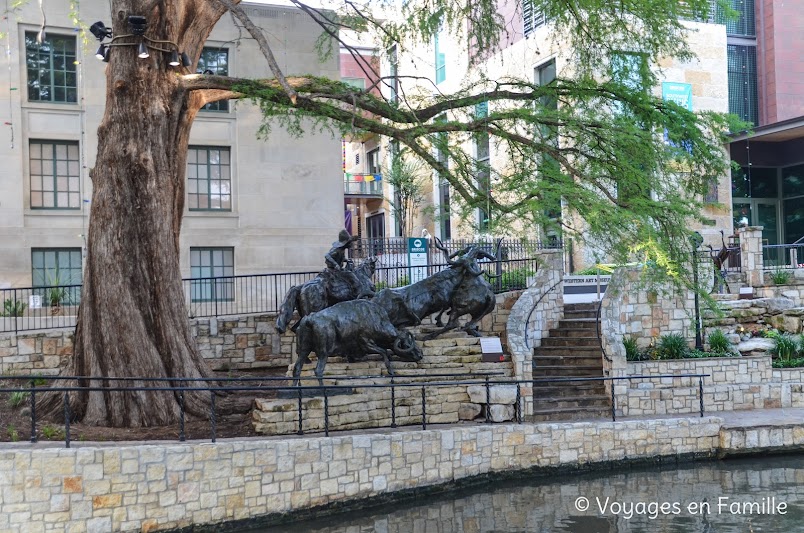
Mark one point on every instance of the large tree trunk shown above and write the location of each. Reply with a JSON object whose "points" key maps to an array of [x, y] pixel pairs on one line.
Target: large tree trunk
{"points": [[132, 320]]}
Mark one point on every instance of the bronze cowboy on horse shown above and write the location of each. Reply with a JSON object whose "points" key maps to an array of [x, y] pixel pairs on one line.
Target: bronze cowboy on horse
{"points": [[339, 282]]}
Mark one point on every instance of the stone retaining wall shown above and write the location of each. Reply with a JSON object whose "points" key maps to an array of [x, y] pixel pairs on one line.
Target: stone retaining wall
{"points": [[735, 383], [150, 487]]}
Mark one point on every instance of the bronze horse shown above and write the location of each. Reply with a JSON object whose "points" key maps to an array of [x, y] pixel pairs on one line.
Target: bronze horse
{"points": [[328, 288]]}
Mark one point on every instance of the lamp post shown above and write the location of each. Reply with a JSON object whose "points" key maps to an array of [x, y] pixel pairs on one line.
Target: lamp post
{"points": [[696, 239]]}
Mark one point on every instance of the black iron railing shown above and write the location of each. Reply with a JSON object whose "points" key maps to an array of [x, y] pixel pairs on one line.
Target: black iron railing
{"points": [[782, 256], [27, 308], [397, 248], [217, 386]]}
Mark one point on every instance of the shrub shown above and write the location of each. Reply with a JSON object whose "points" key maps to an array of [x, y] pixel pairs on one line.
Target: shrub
{"points": [[785, 347], [718, 342], [17, 398], [13, 307], [780, 277], [515, 279], [631, 349], [51, 433], [592, 271], [789, 363], [13, 434], [672, 346]]}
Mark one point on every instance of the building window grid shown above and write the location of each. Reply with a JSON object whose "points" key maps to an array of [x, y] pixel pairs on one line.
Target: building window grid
{"points": [[212, 263], [532, 18], [51, 68], [440, 61], [216, 61], [57, 267], [54, 168], [483, 152], [742, 79], [744, 25], [209, 178]]}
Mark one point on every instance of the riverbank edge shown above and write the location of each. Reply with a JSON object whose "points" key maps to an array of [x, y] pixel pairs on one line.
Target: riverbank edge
{"points": [[232, 484], [407, 496]]}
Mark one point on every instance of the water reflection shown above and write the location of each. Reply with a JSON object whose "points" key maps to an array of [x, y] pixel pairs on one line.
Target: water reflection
{"points": [[550, 505]]}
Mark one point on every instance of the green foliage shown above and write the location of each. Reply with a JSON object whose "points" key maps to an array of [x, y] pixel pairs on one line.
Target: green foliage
{"points": [[788, 363], [631, 349], [672, 346], [12, 433], [12, 307], [780, 277], [785, 347], [52, 433], [514, 279], [593, 271], [718, 342], [39, 381], [407, 177], [17, 398]]}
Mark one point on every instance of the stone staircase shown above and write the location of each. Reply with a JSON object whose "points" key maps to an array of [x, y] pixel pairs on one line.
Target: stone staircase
{"points": [[570, 350]]}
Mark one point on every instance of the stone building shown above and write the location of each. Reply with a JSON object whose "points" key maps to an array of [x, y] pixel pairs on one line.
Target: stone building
{"points": [[249, 206]]}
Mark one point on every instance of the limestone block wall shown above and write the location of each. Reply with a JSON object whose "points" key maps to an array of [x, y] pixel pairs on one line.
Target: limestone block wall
{"points": [[536, 311], [734, 383], [453, 359], [629, 309], [149, 487]]}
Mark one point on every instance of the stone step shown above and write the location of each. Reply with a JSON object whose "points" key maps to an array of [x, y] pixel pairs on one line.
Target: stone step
{"points": [[566, 360], [572, 315], [567, 351], [567, 371], [570, 341], [572, 332], [572, 390], [570, 413], [574, 323], [590, 306], [564, 402]]}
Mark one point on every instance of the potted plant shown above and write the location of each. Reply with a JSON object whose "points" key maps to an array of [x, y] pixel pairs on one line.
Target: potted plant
{"points": [[57, 292]]}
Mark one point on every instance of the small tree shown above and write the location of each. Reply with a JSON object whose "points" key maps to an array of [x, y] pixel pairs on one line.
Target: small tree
{"points": [[406, 177]]}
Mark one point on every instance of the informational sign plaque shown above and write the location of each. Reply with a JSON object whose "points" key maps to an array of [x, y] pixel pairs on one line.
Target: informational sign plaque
{"points": [[417, 259], [491, 347]]}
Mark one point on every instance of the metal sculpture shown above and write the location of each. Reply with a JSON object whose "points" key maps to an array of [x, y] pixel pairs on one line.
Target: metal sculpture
{"points": [[474, 296], [409, 305], [331, 286], [355, 328]]}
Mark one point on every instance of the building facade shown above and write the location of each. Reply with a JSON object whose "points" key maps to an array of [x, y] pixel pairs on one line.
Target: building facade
{"points": [[249, 206]]}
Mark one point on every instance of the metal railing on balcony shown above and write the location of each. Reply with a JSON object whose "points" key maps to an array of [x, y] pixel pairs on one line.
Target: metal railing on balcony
{"points": [[365, 188], [783, 256]]}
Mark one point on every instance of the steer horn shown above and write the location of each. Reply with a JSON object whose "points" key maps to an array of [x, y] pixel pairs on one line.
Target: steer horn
{"points": [[405, 353], [438, 244]]}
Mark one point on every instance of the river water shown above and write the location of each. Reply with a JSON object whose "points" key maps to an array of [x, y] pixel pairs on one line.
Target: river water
{"points": [[734, 496]]}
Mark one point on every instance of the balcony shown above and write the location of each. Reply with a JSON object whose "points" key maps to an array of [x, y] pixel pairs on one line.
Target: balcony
{"points": [[369, 185]]}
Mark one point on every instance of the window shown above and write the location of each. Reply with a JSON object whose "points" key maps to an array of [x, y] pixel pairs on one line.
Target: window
{"points": [[209, 179], [483, 173], [532, 18], [57, 267], [54, 169], [373, 161], [358, 83], [440, 61], [51, 69], [212, 263], [742, 65], [441, 145], [394, 72], [745, 23], [214, 61]]}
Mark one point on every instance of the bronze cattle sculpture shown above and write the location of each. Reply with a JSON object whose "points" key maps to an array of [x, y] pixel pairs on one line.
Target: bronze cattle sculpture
{"points": [[354, 329]]}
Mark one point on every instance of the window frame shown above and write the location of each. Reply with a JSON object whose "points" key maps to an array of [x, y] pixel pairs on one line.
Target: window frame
{"points": [[53, 144], [221, 106], [70, 67], [72, 294], [208, 179], [210, 283]]}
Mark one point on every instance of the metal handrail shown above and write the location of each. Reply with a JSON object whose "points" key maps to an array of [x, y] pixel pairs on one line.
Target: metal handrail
{"points": [[299, 389]]}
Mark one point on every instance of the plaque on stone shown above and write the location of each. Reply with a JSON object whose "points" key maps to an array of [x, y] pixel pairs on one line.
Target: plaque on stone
{"points": [[491, 347]]}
